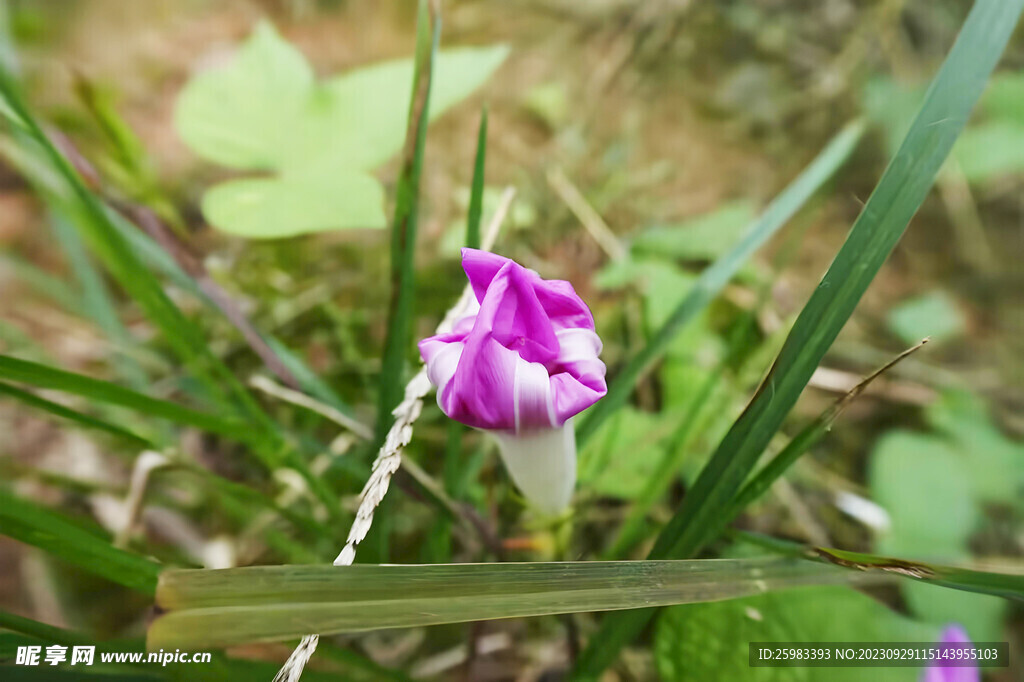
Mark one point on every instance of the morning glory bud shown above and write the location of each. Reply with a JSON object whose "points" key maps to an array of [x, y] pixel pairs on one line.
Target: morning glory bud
{"points": [[520, 365]]}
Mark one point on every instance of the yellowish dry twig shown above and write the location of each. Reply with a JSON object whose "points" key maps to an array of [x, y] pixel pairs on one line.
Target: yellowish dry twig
{"points": [[268, 386], [586, 214]]}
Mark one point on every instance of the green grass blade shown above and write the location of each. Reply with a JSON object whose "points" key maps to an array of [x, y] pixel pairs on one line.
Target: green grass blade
{"points": [[220, 608], [53, 533], [37, 630], [476, 196], [97, 302], [1005, 585], [43, 282], [714, 278], [899, 193], [403, 229], [99, 232], [801, 443], [42, 376], [308, 380], [80, 418]]}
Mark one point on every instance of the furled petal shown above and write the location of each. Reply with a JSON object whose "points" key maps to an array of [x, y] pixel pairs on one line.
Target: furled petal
{"points": [[944, 672], [521, 365], [528, 357]]}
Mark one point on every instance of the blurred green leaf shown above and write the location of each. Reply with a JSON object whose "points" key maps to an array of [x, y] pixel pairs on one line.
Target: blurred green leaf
{"points": [[933, 315], [549, 102], [313, 200], [980, 614], [928, 484], [995, 462], [704, 237], [263, 110], [708, 642], [1004, 98], [605, 471], [46, 529], [925, 485], [991, 150]]}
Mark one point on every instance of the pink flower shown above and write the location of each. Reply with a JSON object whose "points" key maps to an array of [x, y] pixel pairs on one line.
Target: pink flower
{"points": [[521, 365], [940, 671]]}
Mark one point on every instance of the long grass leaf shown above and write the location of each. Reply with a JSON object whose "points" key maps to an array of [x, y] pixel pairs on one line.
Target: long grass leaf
{"points": [[80, 418], [46, 529], [97, 302], [476, 193], [403, 228], [220, 608], [712, 280], [801, 443], [998, 584], [43, 376], [903, 186]]}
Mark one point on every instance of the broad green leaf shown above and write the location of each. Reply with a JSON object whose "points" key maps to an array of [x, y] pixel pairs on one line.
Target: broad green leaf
{"points": [[46, 529], [991, 150], [704, 237], [709, 642], [248, 113], [933, 315], [364, 124], [264, 110], [925, 486], [995, 462], [295, 203], [897, 197]]}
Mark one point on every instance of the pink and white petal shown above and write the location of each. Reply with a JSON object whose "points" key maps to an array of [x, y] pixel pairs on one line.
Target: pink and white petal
{"points": [[564, 307], [443, 363], [481, 391], [572, 397], [531, 396], [512, 315], [481, 267]]}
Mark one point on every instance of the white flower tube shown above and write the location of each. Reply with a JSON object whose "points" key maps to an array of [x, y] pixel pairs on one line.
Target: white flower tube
{"points": [[542, 464]]}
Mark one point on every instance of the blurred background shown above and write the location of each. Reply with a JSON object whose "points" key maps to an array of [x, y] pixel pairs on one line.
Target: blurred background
{"points": [[642, 139]]}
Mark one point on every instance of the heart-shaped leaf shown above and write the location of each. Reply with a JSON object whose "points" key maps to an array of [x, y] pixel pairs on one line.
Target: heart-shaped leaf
{"points": [[264, 111]]}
